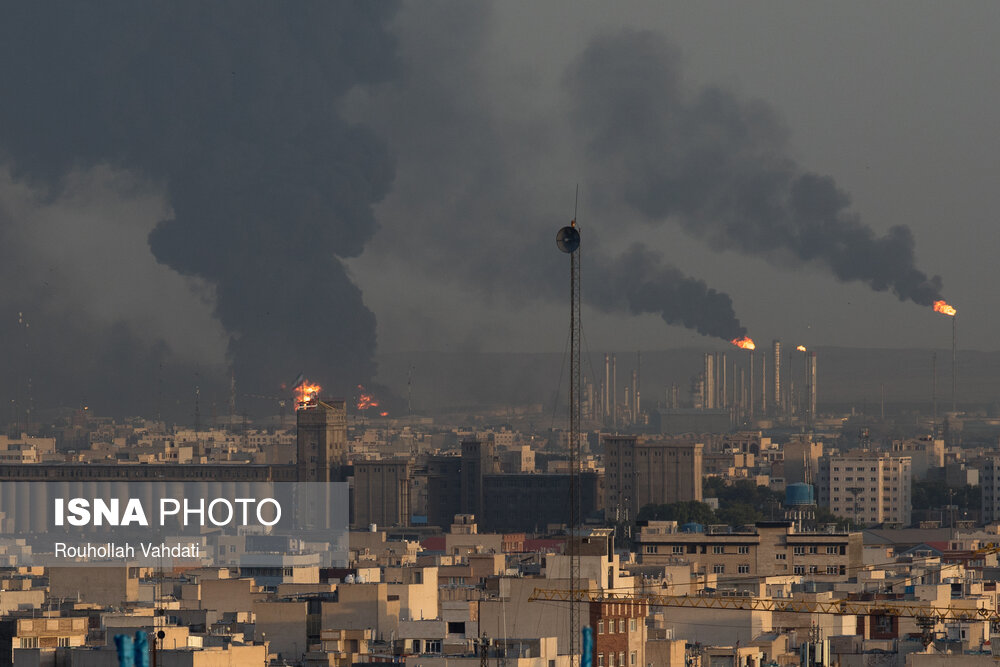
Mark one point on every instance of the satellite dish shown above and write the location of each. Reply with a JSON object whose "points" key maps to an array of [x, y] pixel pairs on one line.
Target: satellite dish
{"points": [[568, 239]]}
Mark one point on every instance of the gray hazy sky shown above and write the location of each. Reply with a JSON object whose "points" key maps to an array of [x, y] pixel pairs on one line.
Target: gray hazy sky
{"points": [[895, 101], [460, 137]]}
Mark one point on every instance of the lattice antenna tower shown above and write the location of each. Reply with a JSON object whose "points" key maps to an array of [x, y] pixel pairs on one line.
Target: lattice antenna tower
{"points": [[568, 241]]}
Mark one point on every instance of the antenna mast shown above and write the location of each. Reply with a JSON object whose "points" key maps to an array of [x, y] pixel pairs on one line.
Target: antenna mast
{"points": [[568, 241]]}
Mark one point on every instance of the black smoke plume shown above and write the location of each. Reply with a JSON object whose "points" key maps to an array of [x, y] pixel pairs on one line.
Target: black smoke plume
{"points": [[479, 200], [233, 108], [717, 166], [639, 281]]}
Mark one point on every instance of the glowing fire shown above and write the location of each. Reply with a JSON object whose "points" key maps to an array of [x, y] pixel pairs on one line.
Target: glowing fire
{"points": [[306, 395], [943, 307], [746, 343], [365, 401], [801, 348]]}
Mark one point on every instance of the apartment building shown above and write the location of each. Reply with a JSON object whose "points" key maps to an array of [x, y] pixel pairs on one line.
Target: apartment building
{"points": [[639, 473], [868, 487], [770, 548], [989, 483]]}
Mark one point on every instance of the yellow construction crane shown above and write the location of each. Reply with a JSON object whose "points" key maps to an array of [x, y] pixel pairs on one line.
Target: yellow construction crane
{"points": [[975, 610]]}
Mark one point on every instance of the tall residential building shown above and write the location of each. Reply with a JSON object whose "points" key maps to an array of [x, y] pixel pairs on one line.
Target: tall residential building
{"points": [[989, 483], [382, 493], [650, 472], [868, 487], [321, 440]]}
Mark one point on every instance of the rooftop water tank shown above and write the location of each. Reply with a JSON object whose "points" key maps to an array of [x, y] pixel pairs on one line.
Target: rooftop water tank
{"points": [[799, 494]]}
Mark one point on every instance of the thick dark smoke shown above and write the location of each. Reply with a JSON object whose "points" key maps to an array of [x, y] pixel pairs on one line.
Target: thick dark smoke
{"points": [[717, 165], [233, 108], [640, 279], [481, 193]]}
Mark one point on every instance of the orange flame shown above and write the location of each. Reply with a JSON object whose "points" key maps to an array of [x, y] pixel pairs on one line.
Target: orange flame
{"points": [[801, 348], [383, 414], [746, 343], [943, 307], [365, 401], [306, 395]]}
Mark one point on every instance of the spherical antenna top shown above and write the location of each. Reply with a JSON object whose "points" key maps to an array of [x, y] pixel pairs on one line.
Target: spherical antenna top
{"points": [[568, 239]]}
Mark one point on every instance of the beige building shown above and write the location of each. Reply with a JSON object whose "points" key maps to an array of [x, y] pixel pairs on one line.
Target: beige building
{"points": [[49, 631], [867, 487], [106, 586], [926, 454], [639, 473], [771, 548], [382, 493], [284, 626]]}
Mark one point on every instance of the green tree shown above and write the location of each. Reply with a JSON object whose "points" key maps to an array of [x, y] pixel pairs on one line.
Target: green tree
{"points": [[683, 512]]}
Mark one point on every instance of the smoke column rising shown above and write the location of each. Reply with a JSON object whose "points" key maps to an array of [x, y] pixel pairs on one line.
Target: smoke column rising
{"points": [[233, 109], [717, 166], [483, 188]]}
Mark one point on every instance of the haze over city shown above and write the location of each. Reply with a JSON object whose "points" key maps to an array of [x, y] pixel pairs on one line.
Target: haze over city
{"points": [[251, 191], [540, 334]]}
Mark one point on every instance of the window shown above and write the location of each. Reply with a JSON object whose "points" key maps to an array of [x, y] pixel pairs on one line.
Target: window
{"points": [[719, 569], [631, 660], [718, 549], [650, 549], [799, 551], [456, 627], [621, 659], [433, 645], [743, 569], [812, 569], [600, 660], [632, 625], [813, 549], [743, 549], [621, 625], [832, 550], [780, 556], [678, 548], [831, 569], [600, 627], [799, 569]]}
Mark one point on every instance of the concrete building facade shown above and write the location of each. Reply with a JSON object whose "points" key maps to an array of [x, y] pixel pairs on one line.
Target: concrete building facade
{"points": [[640, 473], [867, 487], [770, 548], [321, 440], [382, 493]]}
